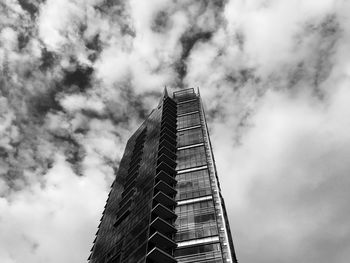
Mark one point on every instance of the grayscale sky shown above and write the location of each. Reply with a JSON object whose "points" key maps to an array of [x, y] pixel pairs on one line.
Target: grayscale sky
{"points": [[78, 76]]}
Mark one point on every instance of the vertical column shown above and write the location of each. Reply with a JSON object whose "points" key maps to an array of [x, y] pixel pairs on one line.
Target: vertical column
{"points": [[224, 234], [161, 242]]}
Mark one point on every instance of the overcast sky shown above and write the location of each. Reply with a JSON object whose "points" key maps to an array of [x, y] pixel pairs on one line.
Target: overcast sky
{"points": [[77, 77]]}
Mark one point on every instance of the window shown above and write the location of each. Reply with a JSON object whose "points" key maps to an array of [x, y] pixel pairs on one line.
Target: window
{"points": [[190, 206], [192, 157], [189, 137], [197, 249], [188, 107], [188, 120], [195, 220]]}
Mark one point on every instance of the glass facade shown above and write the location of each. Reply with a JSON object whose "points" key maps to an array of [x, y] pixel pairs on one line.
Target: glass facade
{"points": [[190, 136], [191, 157], [193, 184], [165, 204], [188, 120]]}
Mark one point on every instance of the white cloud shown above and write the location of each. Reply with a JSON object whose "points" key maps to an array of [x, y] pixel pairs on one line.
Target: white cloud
{"points": [[270, 28], [274, 76], [52, 221], [76, 102], [280, 183], [54, 19]]}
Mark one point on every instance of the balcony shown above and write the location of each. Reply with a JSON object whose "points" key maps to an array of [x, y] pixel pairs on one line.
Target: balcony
{"points": [[166, 168], [169, 104], [166, 117], [164, 199], [168, 138], [169, 132], [163, 212], [171, 127], [169, 101], [131, 178], [170, 109], [171, 114], [159, 256], [167, 152], [163, 226], [165, 188], [162, 241], [169, 119], [163, 176], [164, 158], [127, 196], [121, 218], [127, 187]]}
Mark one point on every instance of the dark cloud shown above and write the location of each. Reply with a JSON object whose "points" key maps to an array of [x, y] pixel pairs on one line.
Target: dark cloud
{"points": [[47, 59], [42, 103], [188, 41], [23, 40], [316, 66], [28, 6], [133, 108], [80, 76], [330, 33], [73, 152], [240, 38], [94, 45], [92, 114], [161, 22], [12, 177], [118, 15]]}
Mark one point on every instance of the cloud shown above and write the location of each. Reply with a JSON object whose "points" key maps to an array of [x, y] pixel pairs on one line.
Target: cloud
{"points": [[49, 213], [289, 179], [77, 77]]}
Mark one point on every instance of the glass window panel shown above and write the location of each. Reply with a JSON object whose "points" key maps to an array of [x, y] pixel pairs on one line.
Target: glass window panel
{"points": [[193, 184], [189, 137], [197, 249], [188, 120], [191, 157], [188, 107]]}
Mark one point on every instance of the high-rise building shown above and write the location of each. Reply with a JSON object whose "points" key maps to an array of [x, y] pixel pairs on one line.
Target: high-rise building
{"points": [[165, 204]]}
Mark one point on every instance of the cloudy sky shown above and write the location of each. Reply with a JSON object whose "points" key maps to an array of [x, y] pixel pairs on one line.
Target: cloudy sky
{"points": [[78, 76]]}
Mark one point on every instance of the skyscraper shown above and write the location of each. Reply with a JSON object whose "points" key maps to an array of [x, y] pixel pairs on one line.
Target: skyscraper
{"points": [[165, 204]]}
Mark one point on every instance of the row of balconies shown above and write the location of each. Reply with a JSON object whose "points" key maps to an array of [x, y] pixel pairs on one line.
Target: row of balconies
{"points": [[161, 242], [133, 172], [129, 186]]}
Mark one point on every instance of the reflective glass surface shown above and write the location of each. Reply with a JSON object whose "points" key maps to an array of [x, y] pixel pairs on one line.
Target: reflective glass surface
{"points": [[191, 157], [188, 107], [189, 137], [207, 253], [193, 184], [188, 120], [123, 231], [195, 220]]}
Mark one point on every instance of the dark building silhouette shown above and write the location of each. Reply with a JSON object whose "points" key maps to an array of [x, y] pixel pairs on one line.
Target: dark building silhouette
{"points": [[165, 204]]}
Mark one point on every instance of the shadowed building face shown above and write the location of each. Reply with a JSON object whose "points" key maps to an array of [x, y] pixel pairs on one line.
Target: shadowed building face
{"points": [[165, 204]]}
